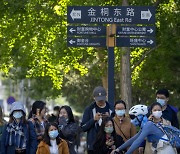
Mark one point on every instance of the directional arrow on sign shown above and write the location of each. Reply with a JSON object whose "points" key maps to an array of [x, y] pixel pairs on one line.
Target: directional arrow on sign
{"points": [[86, 30], [150, 41], [93, 14], [72, 30], [86, 42], [75, 14], [150, 30], [135, 30], [135, 42], [72, 42], [146, 15]]}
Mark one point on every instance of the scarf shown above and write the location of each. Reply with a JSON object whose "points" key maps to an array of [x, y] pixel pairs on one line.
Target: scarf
{"points": [[15, 135]]}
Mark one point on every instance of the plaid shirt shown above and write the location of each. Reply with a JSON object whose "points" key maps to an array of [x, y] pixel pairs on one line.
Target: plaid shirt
{"points": [[39, 126]]}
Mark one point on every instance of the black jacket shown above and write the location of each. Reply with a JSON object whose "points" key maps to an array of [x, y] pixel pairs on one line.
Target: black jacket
{"points": [[89, 125], [170, 114]]}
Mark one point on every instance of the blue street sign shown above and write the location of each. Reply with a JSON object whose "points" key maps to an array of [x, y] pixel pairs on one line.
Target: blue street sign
{"points": [[135, 42], [111, 14], [135, 30], [86, 42], [86, 30]]}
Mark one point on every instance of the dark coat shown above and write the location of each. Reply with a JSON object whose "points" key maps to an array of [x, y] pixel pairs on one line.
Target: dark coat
{"points": [[170, 114], [1, 131], [31, 140], [100, 146], [89, 124], [68, 131]]}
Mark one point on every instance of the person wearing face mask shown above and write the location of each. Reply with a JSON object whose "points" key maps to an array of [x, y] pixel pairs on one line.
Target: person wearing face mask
{"points": [[68, 127], [149, 131], [19, 134], [107, 139], [168, 112], [94, 114], [156, 117], [52, 143], [123, 125]]}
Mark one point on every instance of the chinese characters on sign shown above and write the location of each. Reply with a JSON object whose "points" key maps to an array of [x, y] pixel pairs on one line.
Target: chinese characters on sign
{"points": [[86, 42], [135, 42], [135, 30], [111, 14], [126, 36], [86, 30]]}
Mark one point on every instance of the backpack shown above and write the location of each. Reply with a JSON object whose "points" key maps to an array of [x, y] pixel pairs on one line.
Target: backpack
{"points": [[172, 133]]}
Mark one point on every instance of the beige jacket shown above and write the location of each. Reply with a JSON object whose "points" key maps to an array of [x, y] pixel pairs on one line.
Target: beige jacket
{"points": [[125, 129]]}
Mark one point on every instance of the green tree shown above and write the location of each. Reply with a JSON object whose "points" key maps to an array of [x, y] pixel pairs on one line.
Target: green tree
{"points": [[33, 45]]}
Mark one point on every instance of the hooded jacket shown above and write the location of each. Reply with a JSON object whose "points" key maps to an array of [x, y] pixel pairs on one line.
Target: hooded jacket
{"points": [[28, 130]]}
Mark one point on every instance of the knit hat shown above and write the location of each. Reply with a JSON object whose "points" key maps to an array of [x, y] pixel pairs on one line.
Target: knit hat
{"points": [[17, 106]]}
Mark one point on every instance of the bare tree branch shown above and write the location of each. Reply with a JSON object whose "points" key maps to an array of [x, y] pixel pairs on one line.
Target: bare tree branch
{"points": [[143, 57], [157, 3]]}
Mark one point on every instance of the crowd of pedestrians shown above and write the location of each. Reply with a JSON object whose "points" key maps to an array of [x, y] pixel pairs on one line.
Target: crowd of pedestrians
{"points": [[133, 131], [39, 134], [110, 128]]}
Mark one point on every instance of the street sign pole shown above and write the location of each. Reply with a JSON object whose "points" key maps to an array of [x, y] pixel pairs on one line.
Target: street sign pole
{"points": [[111, 31], [126, 36]]}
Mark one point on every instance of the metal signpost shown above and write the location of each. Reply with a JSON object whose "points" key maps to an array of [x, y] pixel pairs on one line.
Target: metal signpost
{"points": [[127, 36]]}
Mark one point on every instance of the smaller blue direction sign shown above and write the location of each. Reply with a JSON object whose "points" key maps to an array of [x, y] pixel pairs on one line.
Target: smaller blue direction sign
{"points": [[136, 30], [135, 42], [86, 30], [86, 42]]}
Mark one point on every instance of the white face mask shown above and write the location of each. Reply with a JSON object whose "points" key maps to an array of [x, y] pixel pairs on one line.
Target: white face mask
{"points": [[157, 114], [17, 114], [120, 112], [161, 101]]}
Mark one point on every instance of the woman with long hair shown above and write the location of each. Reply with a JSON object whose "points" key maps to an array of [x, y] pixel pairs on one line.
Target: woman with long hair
{"points": [[68, 127], [107, 139], [52, 143], [38, 118], [19, 134]]}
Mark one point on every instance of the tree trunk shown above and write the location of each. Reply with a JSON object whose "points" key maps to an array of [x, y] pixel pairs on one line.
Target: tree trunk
{"points": [[104, 81], [103, 66], [126, 88], [126, 93]]}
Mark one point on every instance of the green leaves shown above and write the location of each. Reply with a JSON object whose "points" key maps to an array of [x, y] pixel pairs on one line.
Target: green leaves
{"points": [[33, 45]]}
